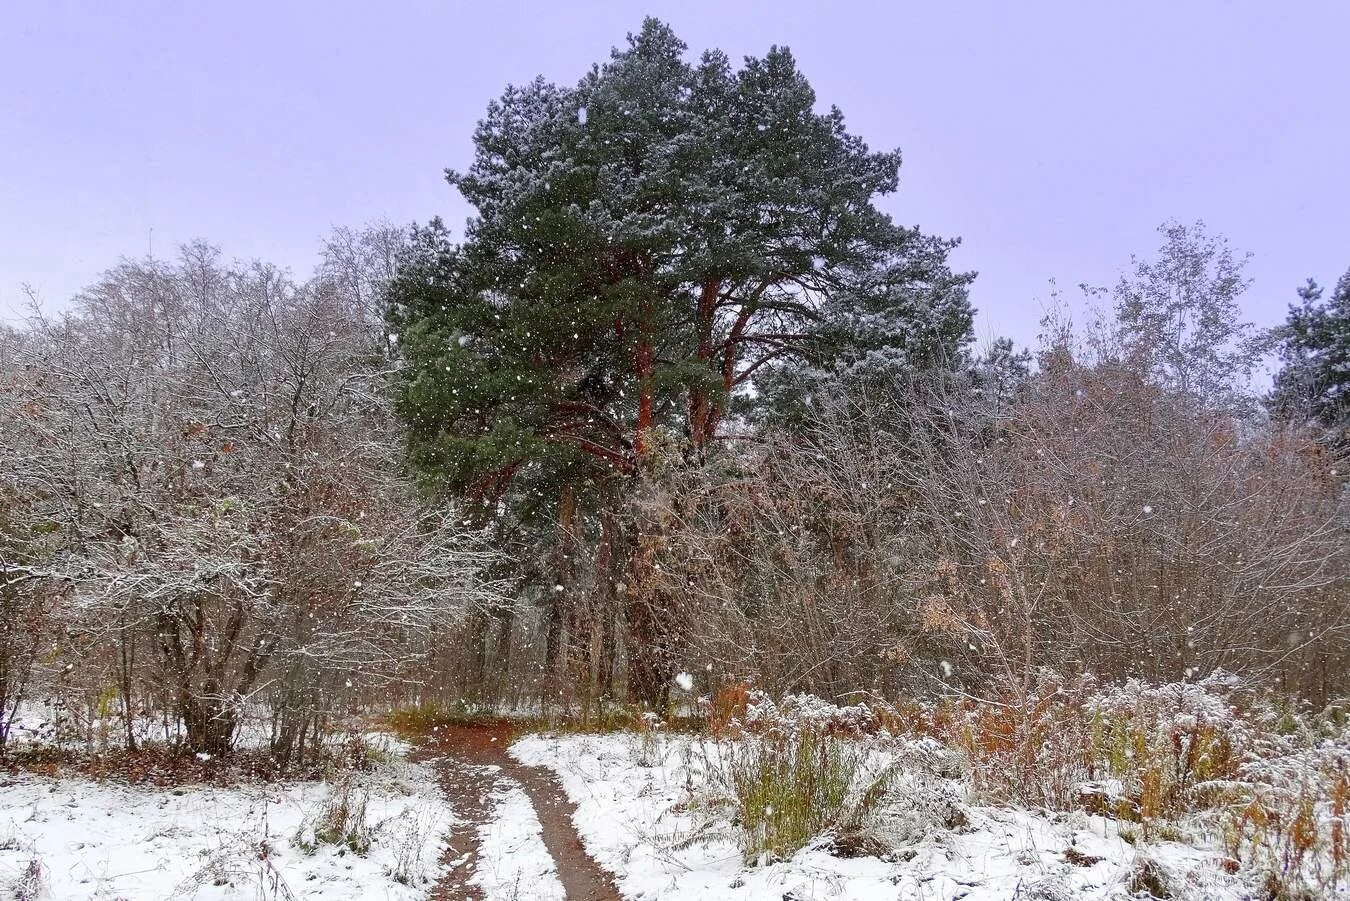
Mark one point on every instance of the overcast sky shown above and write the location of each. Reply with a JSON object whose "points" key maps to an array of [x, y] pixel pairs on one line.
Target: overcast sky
{"points": [[1052, 137]]}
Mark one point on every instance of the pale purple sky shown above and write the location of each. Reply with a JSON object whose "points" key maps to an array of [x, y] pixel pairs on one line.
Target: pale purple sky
{"points": [[1052, 137]]}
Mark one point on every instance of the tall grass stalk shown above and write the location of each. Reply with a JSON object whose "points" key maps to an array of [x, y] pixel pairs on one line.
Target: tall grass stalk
{"points": [[790, 788]]}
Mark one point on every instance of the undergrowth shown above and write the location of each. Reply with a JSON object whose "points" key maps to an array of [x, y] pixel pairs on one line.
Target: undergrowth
{"points": [[165, 765], [1209, 762], [340, 820], [1180, 761], [798, 772], [417, 720]]}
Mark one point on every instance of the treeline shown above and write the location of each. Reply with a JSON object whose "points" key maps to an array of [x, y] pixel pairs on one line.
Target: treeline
{"points": [[205, 513], [683, 401], [727, 412], [1118, 503]]}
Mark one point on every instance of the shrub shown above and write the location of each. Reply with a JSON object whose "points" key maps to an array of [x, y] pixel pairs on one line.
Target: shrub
{"points": [[32, 882], [1168, 744], [799, 772], [1209, 762], [408, 836], [1207, 757], [726, 707], [1291, 823], [341, 820], [1134, 751], [1033, 748]]}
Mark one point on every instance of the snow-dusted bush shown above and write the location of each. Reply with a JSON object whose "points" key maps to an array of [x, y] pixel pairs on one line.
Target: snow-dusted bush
{"points": [[802, 712], [340, 819], [1165, 744], [1210, 761], [31, 883], [201, 459], [1132, 750], [407, 838], [924, 797], [1289, 817]]}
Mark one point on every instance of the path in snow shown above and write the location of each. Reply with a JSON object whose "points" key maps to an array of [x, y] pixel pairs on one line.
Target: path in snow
{"points": [[484, 785]]}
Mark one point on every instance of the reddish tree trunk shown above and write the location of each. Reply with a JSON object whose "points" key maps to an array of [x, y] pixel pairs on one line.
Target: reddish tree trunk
{"points": [[554, 642], [643, 369], [647, 665], [606, 604], [700, 404], [729, 356]]}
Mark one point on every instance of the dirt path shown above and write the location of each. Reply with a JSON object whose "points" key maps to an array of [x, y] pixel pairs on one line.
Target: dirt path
{"points": [[463, 755]]}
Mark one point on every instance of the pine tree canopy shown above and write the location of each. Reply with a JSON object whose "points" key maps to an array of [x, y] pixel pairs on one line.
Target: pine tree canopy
{"points": [[1314, 381], [646, 245]]}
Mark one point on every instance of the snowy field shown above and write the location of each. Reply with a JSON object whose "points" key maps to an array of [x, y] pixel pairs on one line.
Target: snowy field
{"points": [[636, 801], [646, 811], [73, 838]]}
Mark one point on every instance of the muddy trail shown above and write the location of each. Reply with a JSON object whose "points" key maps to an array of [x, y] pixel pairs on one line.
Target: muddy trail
{"points": [[464, 755]]}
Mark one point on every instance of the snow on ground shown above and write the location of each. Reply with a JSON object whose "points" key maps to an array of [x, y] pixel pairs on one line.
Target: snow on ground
{"points": [[513, 863], [45, 722], [107, 840], [633, 815]]}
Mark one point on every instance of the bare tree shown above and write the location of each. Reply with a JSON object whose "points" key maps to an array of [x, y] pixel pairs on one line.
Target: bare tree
{"points": [[220, 445], [939, 534], [34, 570], [787, 565], [1106, 522], [1177, 318]]}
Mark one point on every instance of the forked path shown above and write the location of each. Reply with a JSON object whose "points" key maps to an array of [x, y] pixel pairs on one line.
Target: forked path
{"points": [[462, 755]]}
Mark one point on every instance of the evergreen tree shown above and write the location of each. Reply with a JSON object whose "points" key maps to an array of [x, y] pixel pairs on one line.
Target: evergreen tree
{"points": [[1000, 373], [1314, 343], [646, 243]]}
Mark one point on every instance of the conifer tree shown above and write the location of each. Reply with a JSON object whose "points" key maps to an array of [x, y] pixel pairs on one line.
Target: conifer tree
{"points": [[645, 245], [1314, 343]]}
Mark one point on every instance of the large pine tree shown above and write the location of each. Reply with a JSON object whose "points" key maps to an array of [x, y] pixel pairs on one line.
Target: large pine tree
{"points": [[647, 244]]}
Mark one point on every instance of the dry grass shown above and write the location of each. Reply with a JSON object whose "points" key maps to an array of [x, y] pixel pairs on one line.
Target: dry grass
{"points": [[791, 788], [796, 773], [1181, 760], [340, 820], [1210, 762], [420, 719]]}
